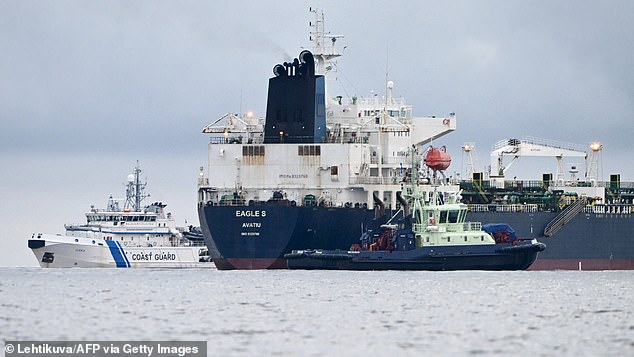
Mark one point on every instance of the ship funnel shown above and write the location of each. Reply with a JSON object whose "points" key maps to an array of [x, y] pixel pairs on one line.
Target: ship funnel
{"points": [[296, 104]]}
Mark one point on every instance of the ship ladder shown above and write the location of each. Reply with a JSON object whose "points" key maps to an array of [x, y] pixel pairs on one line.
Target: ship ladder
{"points": [[479, 189], [564, 217]]}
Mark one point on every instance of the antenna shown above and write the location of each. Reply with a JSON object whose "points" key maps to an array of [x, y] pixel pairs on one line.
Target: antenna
{"points": [[319, 37], [387, 89], [134, 190]]}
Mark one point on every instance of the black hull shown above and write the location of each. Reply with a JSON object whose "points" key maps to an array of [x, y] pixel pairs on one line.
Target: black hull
{"points": [[485, 257], [257, 237], [589, 242]]}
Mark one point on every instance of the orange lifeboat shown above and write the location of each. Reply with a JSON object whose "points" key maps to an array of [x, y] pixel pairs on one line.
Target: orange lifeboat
{"points": [[437, 159]]}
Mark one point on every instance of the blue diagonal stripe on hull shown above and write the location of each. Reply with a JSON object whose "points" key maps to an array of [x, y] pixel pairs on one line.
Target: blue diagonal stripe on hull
{"points": [[117, 255], [125, 257]]}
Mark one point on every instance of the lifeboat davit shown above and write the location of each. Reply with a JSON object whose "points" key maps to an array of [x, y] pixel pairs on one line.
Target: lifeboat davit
{"points": [[437, 159]]}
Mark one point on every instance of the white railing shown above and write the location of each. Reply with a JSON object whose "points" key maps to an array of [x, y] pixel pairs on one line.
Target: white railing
{"points": [[472, 226], [609, 209], [597, 209], [418, 227], [539, 141], [503, 208], [367, 180], [453, 227], [377, 102]]}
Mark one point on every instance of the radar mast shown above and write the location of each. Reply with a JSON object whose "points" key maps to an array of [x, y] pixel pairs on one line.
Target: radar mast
{"points": [[323, 53], [135, 191]]}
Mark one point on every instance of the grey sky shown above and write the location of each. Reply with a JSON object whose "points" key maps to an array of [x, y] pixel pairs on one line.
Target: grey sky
{"points": [[87, 88]]}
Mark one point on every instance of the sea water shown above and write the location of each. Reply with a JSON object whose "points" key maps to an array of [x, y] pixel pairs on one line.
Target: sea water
{"points": [[327, 313]]}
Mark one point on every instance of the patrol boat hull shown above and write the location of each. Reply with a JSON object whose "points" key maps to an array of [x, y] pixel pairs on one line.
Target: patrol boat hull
{"points": [[479, 257], [57, 251]]}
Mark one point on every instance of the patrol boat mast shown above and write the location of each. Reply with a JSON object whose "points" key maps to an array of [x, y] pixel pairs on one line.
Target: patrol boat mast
{"points": [[135, 190]]}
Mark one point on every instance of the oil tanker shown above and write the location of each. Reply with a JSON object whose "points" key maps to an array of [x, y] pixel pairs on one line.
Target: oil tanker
{"points": [[318, 171]]}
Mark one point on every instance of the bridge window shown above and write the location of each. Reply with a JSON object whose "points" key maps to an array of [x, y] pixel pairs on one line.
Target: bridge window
{"points": [[443, 216], [453, 216]]}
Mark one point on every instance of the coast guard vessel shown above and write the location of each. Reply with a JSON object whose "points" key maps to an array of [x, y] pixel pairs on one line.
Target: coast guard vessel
{"points": [[320, 170], [131, 236]]}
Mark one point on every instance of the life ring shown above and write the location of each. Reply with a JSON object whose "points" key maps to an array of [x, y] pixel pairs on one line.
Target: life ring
{"points": [[445, 121], [125, 243], [432, 221]]}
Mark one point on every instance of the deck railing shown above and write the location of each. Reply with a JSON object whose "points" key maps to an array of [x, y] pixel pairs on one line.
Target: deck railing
{"points": [[503, 208]]}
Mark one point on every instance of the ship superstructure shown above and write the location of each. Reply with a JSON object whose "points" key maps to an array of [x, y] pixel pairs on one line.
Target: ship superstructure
{"points": [[132, 236], [312, 150], [362, 143]]}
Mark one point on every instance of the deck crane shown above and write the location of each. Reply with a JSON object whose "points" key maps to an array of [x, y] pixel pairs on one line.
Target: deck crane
{"points": [[531, 146]]}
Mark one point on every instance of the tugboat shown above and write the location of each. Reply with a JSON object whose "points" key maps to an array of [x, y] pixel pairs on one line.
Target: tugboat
{"points": [[434, 236], [132, 237]]}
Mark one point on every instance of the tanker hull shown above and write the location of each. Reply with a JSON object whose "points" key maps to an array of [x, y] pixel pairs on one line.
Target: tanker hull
{"points": [[239, 237], [591, 241]]}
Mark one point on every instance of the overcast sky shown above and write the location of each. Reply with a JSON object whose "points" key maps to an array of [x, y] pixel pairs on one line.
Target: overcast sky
{"points": [[89, 87]]}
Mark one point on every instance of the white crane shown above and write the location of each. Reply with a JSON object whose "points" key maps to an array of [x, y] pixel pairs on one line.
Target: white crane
{"points": [[536, 147]]}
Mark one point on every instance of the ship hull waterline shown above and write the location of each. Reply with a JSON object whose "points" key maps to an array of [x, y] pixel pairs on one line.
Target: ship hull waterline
{"points": [[505, 256], [239, 237]]}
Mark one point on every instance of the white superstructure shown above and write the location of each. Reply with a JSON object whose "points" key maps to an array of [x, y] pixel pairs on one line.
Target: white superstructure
{"points": [[123, 238], [364, 155]]}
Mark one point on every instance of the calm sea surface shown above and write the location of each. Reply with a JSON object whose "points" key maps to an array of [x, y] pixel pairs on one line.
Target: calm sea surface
{"points": [[325, 313]]}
